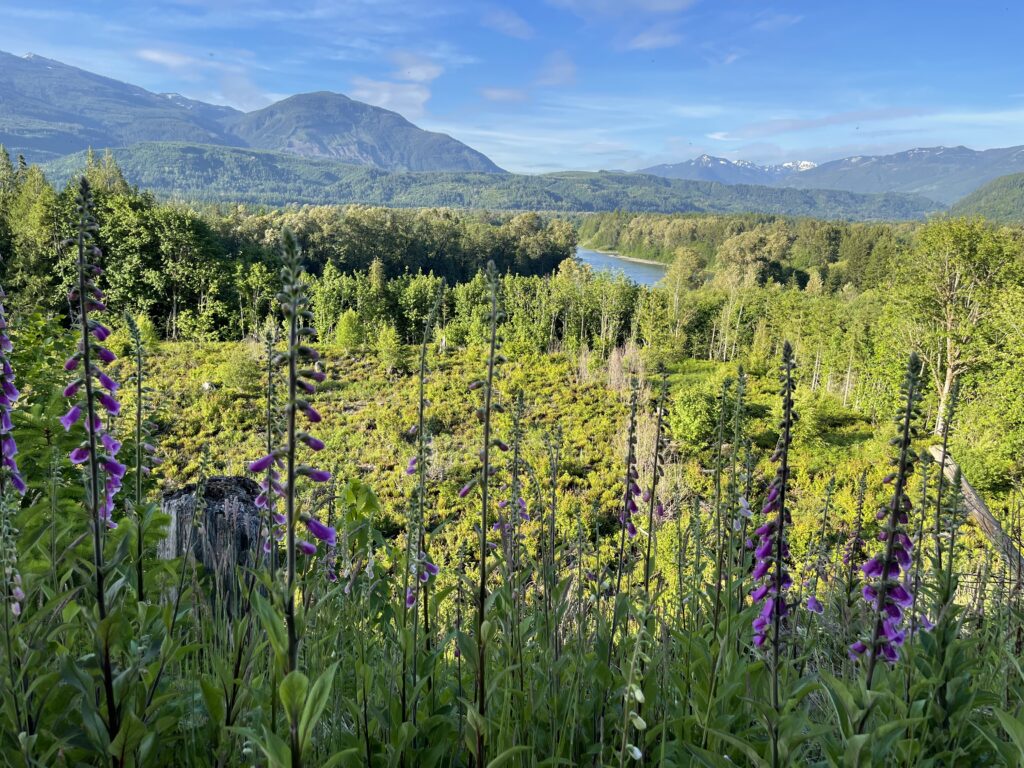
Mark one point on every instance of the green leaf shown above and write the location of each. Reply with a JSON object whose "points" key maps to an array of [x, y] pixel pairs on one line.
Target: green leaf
{"points": [[293, 690], [315, 704], [507, 755], [1013, 727], [273, 625], [214, 700]]}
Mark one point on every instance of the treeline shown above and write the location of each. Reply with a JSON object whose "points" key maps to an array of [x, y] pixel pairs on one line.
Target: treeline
{"points": [[233, 174], [207, 273], [757, 247]]}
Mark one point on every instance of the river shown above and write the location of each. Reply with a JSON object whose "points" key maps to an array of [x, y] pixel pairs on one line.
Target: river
{"points": [[640, 272]]}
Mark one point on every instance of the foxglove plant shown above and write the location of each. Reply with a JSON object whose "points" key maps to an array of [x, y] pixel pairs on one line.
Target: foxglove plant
{"points": [[654, 506], [772, 549], [485, 413], [772, 552], [302, 375], [145, 458], [303, 703], [9, 395], [99, 449], [886, 590]]}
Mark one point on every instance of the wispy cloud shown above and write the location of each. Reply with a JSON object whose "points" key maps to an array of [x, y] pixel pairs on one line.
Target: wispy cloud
{"points": [[504, 94], [558, 69], [408, 99], [587, 8], [508, 23], [658, 36], [778, 126], [416, 68], [169, 59], [768, 21]]}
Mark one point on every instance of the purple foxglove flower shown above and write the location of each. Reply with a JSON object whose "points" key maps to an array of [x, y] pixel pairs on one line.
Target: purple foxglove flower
{"points": [[101, 332], [306, 547], [70, 418], [312, 414], [18, 483], [280, 519], [312, 442], [114, 468], [113, 406], [10, 390], [316, 475], [631, 529], [322, 532], [71, 363], [464, 490], [872, 568], [758, 594], [112, 445], [261, 465], [261, 500], [79, 455], [5, 343], [16, 609], [8, 448], [431, 569], [410, 597], [71, 390], [814, 606], [760, 569], [105, 354], [107, 382]]}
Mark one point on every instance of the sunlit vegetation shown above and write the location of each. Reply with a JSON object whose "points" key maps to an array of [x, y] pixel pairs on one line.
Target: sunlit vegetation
{"points": [[510, 511]]}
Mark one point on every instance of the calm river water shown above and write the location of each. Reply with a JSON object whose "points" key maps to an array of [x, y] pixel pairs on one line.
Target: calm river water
{"points": [[638, 272]]}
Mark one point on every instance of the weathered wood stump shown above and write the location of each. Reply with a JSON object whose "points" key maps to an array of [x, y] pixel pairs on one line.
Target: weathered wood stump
{"points": [[224, 534]]}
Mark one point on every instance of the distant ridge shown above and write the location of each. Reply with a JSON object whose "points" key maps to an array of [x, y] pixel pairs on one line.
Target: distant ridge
{"points": [[233, 174], [49, 109], [944, 174], [710, 168], [1001, 200]]}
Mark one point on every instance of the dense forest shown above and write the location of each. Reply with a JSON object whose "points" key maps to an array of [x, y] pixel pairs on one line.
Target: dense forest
{"points": [[228, 174], [508, 510]]}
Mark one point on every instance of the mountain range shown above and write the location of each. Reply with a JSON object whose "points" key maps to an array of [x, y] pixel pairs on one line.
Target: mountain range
{"points": [[326, 147], [49, 110], [943, 174], [710, 168]]}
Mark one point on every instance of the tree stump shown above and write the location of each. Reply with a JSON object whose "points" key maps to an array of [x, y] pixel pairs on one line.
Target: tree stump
{"points": [[224, 534]]}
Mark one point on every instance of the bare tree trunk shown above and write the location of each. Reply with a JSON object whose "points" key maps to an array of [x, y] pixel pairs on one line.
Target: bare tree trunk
{"points": [[978, 512], [947, 387]]}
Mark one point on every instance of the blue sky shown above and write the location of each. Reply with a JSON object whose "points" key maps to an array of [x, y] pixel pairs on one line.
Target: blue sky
{"points": [[543, 85]]}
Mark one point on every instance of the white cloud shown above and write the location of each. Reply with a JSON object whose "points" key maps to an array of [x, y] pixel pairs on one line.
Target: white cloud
{"points": [[697, 111], [508, 23], [588, 8], [655, 37], [416, 68], [169, 59], [504, 94], [558, 69], [408, 99], [771, 22]]}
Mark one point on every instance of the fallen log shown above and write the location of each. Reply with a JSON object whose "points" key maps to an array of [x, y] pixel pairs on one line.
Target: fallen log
{"points": [[979, 512]]}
